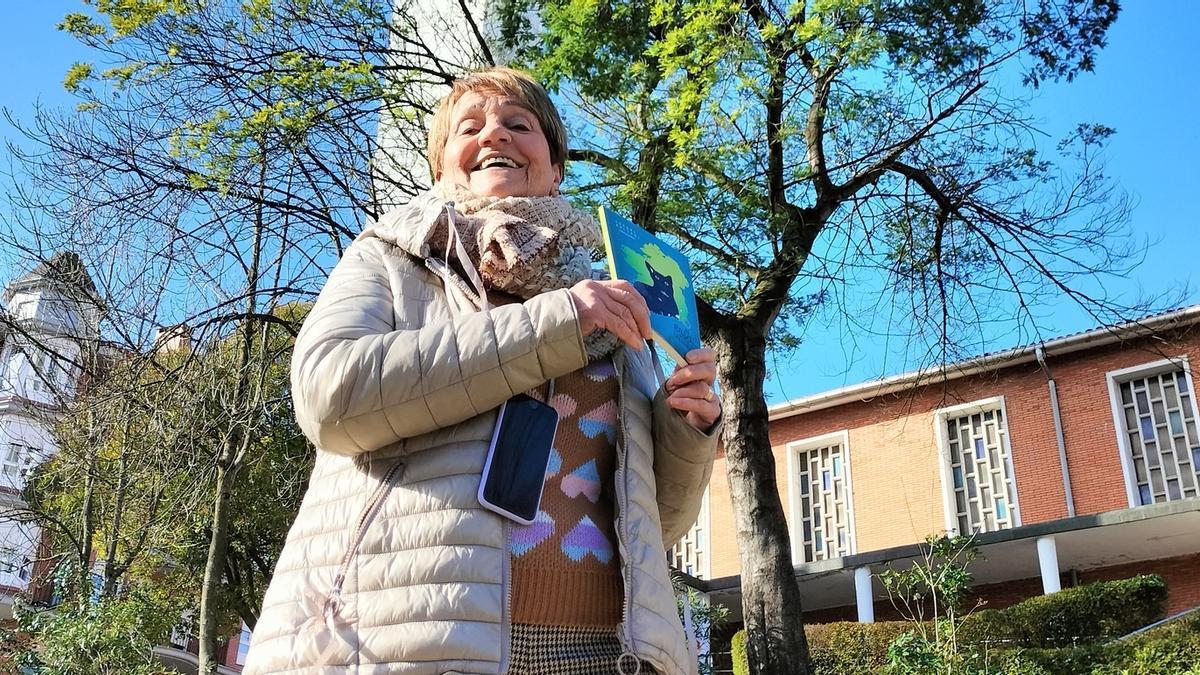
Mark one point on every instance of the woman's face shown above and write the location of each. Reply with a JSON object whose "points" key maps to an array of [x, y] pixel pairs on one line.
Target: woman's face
{"points": [[496, 148]]}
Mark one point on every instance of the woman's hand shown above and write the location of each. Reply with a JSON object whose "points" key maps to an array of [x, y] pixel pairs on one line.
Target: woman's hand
{"points": [[690, 388], [613, 306]]}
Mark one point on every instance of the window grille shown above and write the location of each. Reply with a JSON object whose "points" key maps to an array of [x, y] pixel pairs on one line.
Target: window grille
{"points": [[9, 560], [824, 505], [17, 459], [981, 474], [1160, 425]]}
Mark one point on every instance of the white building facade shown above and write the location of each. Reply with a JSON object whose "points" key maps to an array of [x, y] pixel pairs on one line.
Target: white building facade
{"points": [[49, 323]]}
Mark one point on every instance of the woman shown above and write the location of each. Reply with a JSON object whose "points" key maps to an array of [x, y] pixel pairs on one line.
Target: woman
{"points": [[436, 315]]}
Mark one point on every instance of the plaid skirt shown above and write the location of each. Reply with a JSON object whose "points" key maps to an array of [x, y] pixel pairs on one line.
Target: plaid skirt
{"points": [[568, 650]]}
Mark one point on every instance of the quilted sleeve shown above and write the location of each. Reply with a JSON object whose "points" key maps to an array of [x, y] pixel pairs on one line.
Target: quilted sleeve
{"points": [[359, 383], [683, 461]]}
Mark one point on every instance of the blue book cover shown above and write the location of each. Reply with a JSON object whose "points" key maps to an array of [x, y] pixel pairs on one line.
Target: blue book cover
{"points": [[663, 277]]}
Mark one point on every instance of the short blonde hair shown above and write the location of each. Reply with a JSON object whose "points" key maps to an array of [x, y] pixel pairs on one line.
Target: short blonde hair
{"points": [[504, 82]]}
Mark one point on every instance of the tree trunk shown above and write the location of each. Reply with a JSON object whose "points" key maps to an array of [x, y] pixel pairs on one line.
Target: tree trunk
{"points": [[775, 641], [214, 569], [87, 530]]}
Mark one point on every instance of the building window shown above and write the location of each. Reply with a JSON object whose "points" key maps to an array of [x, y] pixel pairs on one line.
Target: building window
{"points": [[17, 459], [1157, 416], [690, 554], [45, 375], [8, 560], [822, 505], [13, 563], [243, 646], [181, 633], [983, 494]]}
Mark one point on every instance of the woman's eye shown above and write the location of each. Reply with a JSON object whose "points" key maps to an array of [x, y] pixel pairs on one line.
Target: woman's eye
{"points": [[520, 126], [468, 130]]}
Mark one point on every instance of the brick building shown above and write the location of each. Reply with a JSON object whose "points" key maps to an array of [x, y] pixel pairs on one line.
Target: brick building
{"points": [[1073, 460]]}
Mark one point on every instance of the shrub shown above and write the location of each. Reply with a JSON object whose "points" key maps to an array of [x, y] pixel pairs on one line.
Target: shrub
{"points": [[1099, 611], [1171, 650], [737, 649], [1046, 635], [848, 648]]}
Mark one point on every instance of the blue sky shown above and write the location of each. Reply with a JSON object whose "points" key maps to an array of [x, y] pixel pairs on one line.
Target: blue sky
{"points": [[1146, 86]]}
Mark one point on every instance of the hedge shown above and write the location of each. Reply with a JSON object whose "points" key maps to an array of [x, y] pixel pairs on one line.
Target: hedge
{"points": [[849, 647], [1173, 649], [1082, 615], [1038, 627]]}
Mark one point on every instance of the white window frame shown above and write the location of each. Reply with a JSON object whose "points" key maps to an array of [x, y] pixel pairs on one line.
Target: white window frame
{"points": [[704, 520], [9, 555], [181, 632], [44, 373], [950, 513], [245, 638], [25, 457], [794, 449], [1115, 378], [14, 566]]}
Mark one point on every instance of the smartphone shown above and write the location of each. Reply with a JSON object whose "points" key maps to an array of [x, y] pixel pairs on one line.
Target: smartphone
{"points": [[515, 470]]}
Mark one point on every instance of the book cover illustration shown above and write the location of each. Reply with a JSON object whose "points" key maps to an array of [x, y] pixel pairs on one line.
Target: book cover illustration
{"points": [[661, 274]]}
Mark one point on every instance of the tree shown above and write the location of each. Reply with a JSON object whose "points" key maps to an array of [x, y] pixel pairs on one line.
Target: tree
{"points": [[220, 157], [132, 487], [858, 155], [937, 584]]}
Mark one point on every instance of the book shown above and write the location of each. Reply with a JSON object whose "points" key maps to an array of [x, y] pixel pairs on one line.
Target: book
{"points": [[661, 274]]}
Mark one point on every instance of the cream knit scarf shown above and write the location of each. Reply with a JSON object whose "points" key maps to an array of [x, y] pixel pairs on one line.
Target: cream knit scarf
{"points": [[524, 245]]}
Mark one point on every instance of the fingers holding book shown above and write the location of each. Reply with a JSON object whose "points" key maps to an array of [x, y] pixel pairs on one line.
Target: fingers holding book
{"points": [[613, 306], [690, 388]]}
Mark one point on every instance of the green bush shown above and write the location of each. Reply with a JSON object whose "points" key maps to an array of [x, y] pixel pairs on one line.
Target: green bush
{"points": [[1081, 615], [737, 651], [1171, 650], [848, 648], [1044, 635]]}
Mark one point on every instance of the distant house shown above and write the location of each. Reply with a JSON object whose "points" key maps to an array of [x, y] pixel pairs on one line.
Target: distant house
{"points": [[51, 319], [1072, 460], [49, 328]]}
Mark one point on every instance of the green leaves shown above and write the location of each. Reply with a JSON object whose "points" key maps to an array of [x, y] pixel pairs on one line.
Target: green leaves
{"points": [[115, 636], [77, 76]]}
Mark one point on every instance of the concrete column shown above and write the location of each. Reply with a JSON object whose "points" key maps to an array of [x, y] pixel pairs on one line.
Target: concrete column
{"points": [[1048, 561], [864, 595]]}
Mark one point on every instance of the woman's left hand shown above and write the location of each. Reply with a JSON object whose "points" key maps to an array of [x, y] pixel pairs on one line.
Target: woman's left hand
{"points": [[690, 388]]}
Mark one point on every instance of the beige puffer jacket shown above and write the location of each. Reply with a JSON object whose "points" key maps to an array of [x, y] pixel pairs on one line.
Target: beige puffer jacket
{"points": [[391, 565]]}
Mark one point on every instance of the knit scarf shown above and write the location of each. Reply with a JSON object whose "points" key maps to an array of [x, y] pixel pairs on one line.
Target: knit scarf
{"points": [[523, 246]]}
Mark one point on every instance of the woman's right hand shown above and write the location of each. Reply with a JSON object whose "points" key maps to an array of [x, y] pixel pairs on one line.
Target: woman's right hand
{"points": [[613, 306]]}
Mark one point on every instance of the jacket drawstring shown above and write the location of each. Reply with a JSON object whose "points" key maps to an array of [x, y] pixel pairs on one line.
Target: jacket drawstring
{"points": [[453, 238]]}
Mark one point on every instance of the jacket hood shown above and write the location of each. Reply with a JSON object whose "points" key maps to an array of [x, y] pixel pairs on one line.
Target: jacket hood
{"points": [[412, 226]]}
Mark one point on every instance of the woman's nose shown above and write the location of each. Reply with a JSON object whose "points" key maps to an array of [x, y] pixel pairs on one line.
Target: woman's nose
{"points": [[494, 132]]}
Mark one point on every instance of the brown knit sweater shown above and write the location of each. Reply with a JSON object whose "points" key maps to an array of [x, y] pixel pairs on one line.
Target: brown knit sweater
{"points": [[565, 565]]}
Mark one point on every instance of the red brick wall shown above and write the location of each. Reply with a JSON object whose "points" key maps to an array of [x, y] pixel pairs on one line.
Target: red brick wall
{"points": [[893, 456], [1182, 575]]}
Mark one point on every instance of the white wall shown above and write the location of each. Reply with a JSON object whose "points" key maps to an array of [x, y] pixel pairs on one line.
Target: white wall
{"points": [[18, 545]]}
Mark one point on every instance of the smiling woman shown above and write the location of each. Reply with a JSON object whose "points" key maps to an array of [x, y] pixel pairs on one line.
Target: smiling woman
{"points": [[474, 295]]}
